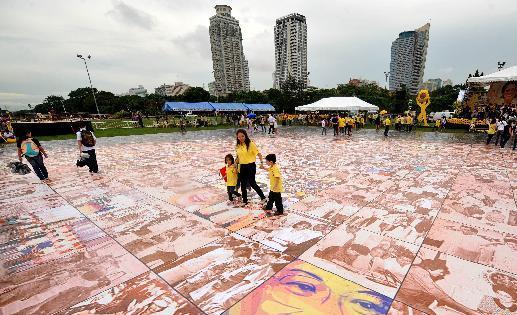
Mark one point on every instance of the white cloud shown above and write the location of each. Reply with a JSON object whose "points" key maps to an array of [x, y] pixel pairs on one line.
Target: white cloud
{"points": [[161, 41]]}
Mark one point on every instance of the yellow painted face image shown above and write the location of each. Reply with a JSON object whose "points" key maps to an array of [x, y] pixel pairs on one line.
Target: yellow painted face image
{"points": [[301, 288]]}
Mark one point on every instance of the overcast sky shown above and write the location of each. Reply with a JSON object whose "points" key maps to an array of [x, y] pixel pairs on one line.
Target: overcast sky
{"points": [[155, 42]]}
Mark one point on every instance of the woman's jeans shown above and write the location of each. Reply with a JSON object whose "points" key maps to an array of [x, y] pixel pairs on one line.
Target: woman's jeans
{"points": [[38, 166]]}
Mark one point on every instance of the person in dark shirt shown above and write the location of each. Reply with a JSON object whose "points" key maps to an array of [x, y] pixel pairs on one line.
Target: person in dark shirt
{"points": [[33, 152]]}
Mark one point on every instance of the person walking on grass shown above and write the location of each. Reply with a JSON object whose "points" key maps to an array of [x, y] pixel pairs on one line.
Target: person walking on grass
{"points": [[86, 141], [33, 151], [247, 153], [275, 186]]}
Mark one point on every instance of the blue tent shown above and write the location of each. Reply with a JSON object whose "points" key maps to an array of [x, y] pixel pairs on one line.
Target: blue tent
{"points": [[187, 107], [260, 107], [229, 107]]}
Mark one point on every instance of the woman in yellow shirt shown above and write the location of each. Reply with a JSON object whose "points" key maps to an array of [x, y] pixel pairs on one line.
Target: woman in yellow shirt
{"points": [[491, 131], [247, 153]]}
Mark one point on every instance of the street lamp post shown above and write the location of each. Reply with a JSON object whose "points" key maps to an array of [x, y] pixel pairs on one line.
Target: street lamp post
{"points": [[89, 79], [500, 65], [386, 74]]}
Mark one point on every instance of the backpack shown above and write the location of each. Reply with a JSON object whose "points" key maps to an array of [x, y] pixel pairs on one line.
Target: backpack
{"points": [[29, 148], [87, 138]]}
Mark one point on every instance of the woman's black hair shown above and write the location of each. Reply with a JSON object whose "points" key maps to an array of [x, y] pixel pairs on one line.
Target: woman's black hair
{"points": [[23, 136], [229, 156], [247, 140]]}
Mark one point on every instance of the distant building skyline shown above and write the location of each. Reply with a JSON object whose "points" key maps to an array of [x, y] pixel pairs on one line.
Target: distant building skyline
{"points": [[138, 91], [290, 35], [230, 67], [408, 57], [178, 88]]}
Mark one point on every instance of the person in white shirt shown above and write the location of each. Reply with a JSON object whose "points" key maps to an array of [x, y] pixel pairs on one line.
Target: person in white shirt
{"points": [[323, 126], [271, 120], [86, 141], [500, 124]]}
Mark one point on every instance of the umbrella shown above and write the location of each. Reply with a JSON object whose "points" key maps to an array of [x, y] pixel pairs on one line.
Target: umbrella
{"points": [[252, 115]]}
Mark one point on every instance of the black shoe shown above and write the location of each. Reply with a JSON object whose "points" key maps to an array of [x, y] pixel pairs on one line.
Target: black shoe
{"points": [[278, 213]]}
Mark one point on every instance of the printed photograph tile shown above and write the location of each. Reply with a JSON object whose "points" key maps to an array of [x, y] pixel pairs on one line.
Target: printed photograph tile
{"points": [[291, 234], [50, 287], [144, 294], [301, 288], [371, 260], [198, 198], [231, 216], [441, 284], [487, 247], [218, 275], [406, 226], [156, 236], [324, 208], [26, 204], [42, 236], [399, 308]]}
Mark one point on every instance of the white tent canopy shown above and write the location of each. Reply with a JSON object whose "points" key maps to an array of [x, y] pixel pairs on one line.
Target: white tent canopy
{"points": [[508, 74], [339, 104]]}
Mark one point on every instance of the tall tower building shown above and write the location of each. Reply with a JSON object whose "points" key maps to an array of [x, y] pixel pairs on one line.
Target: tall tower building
{"points": [[231, 71], [408, 55], [290, 49]]}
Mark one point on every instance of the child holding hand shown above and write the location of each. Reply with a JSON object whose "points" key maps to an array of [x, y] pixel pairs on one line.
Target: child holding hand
{"points": [[231, 177], [275, 183]]}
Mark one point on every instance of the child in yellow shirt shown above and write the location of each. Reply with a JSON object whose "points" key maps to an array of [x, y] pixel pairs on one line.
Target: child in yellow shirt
{"points": [[276, 188], [231, 177]]}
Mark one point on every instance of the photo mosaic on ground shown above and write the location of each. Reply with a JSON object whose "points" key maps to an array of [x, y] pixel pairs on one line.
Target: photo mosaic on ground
{"points": [[420, 223]]}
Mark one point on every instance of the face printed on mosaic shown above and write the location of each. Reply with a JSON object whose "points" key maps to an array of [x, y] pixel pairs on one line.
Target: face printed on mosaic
{"points": [[301, 288]]}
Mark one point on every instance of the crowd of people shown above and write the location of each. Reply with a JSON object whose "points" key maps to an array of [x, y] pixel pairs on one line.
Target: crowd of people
{"points": [[6, 132], [502, 129]]}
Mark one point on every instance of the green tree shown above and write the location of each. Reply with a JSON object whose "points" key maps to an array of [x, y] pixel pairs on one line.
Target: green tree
{"points": [[195, 94], [292, 95], [443, 98], [153, 104], [51, 102]]}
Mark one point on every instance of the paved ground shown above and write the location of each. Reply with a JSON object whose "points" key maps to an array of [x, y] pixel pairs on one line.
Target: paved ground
{"points": [[415, 224]]}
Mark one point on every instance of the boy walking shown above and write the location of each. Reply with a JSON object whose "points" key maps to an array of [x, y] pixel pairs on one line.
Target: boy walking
{"points": [[276, 188], [86, 142]]}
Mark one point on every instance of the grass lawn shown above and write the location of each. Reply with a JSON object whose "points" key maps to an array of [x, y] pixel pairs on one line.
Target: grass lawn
{"points": [[114, 132]]}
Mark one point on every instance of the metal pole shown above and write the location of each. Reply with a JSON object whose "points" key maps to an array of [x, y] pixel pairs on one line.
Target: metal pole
{"points": [[91, 86]]}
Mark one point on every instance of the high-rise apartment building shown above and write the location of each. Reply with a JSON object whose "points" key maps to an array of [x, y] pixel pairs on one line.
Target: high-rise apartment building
{"points": [[408, 55], [290, 49], [231, 71]]}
